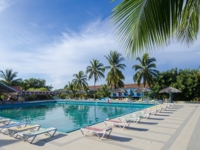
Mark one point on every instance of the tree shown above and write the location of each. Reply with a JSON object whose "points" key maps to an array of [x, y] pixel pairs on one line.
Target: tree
{"points": [[103, 91], [9, 77], [80, 80], [143, 25], [96, 70], [115, 76], [186, 80], [145, 70], [35, 84], [71, 88]]}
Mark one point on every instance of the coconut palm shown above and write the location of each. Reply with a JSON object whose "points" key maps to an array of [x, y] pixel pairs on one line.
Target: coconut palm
{"points": [[80, 80], [115, 76], [71, 88], [96, 70], [143, 25], [145, 70], [9, 77]]}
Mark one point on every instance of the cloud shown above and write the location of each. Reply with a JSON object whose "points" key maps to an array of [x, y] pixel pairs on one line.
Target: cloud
{"points": [[5, 4], [57, 60]]}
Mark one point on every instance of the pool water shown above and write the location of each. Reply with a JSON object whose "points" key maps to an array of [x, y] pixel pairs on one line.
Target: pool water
{"points": [[68, 116]]}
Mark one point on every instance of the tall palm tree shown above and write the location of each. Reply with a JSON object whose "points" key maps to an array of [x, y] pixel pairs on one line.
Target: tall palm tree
{"points": [[80, 80], [143, 25], [115, 75], [96, 70], [145, 70], [8, 77]]}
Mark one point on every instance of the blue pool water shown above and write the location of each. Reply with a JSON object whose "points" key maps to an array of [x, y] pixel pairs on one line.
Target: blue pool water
{"points": [[68, 116]]}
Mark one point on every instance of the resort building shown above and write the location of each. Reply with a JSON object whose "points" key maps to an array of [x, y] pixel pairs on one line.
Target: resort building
{"points": [[129, 88]]}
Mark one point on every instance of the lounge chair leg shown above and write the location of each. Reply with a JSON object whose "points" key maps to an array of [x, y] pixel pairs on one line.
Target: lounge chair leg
{"points": [[32, 139]]}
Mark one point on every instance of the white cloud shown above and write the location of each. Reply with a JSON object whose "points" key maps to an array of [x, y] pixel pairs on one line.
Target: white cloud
{"points": [[71, 52]]}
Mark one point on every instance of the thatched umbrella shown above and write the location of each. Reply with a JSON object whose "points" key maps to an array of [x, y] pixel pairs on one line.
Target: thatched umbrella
{"points": [[119, 91], [169, 90], [142, 90]]}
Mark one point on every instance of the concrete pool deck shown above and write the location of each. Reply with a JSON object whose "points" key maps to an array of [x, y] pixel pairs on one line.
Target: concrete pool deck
{"points": [[177, 128]]}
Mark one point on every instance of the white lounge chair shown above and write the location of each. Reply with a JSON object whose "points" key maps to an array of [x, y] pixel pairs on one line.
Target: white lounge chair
{"points": [[97, 131], [6, 127], [32, 128], [141, 114], [121, 124], [26, 135], [5, 121], [135, 119]]}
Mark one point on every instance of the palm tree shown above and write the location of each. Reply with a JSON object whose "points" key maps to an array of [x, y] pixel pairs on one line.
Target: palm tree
{"points": [[71, 88], [8, 77], [80, 80], [145, 70], [96, 70], [115, 75], [143, 25]]}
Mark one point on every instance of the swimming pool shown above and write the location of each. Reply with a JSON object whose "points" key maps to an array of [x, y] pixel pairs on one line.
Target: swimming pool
{"points": [[68, 116]]}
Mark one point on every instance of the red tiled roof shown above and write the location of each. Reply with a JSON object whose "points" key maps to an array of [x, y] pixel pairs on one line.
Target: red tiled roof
{"points": [[17, 88]]}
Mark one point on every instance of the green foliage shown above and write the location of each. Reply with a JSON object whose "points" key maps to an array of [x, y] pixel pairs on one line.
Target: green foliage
{"points": [[35, 84], [80, 80], [187, 81], [38, 89], [145, 71], [9, 77], [115, 76], [143, 25], [96, 70], [103, 91]]}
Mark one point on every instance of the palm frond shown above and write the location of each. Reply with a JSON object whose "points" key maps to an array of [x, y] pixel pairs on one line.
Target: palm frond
{"points": [[144, 25]]}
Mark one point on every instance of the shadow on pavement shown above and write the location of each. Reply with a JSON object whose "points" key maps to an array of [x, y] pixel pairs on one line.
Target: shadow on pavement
{"points": [[148, 123], [137, 129]]}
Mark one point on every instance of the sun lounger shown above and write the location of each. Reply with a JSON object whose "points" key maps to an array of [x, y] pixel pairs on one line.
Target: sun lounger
{"points": [[141, 114], [121, 124], [135, 119], [26, 135], [6, 127], [97, 131], [31, 128], [170, 105], [5, 121]]}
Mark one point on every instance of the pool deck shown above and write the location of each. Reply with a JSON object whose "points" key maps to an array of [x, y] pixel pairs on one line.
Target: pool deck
{"points": [[177, 128]]}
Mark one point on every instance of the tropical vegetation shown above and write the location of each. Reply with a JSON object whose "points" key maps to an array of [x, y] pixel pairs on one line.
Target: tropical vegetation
{"points": [[144, 25], [104, 91], [80, 80], [115, 76], [186, 80], [9, 77], [96, 70], [145, 70]]}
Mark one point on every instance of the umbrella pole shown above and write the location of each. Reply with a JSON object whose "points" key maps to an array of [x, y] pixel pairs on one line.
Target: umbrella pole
{"points": [[170, 97]]}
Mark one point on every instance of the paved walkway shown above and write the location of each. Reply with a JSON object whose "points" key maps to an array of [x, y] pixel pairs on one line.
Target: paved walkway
{"points": [[177, 128]]}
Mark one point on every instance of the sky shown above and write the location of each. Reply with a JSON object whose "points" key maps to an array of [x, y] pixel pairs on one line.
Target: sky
{"points": [[54, 39]]}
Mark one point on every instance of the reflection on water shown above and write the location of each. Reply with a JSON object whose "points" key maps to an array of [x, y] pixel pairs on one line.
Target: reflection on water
{"points": [[68, 117]]}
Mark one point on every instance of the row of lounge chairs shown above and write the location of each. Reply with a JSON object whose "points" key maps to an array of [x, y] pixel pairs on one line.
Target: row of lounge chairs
{"points": [[24, 131], [125, 121]]}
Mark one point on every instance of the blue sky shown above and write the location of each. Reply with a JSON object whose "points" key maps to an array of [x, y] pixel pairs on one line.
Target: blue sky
{"points": [[53, 39]]}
